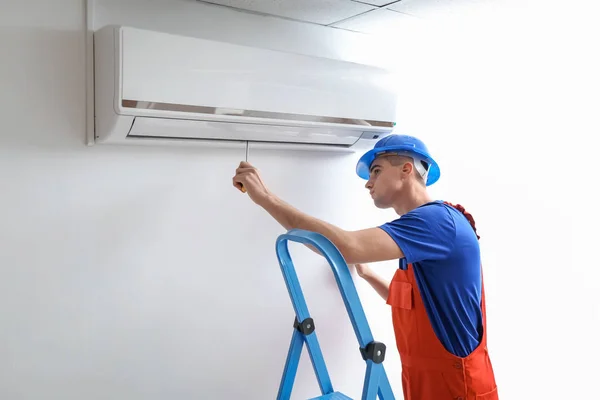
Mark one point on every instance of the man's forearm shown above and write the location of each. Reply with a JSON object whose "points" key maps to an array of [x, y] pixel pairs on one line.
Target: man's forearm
{"points": [[292, 218], [379, 284]]}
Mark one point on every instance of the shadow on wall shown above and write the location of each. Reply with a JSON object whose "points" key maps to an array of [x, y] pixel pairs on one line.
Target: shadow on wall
{"points": [[43, 96]]}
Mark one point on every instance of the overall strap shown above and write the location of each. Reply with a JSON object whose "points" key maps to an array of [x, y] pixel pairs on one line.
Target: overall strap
{"points": [[472, 222], [466, 214]]}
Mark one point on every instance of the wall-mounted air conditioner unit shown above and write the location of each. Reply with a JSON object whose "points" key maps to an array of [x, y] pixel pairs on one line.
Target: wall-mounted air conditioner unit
{"points": [[153, 87]]}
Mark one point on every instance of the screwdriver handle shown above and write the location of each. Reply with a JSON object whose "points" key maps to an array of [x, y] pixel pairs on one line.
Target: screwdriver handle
{"points": [[241, 185]]}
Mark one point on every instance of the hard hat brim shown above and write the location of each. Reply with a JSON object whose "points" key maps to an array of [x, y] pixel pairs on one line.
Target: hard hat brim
{"points": [[364, 163]]}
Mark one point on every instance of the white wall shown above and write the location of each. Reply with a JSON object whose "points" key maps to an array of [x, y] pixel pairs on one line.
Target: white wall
{"points": [[122, 276], [509, 100]]}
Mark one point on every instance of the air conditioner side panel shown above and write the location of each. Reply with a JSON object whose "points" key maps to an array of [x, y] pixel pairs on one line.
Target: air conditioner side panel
{"points": [[110, 125]]}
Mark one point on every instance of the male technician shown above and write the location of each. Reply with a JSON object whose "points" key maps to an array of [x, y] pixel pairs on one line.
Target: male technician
{"points": [[436, 295]]}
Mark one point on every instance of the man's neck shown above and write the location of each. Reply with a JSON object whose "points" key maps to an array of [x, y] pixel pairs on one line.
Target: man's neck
{"points": [[416, 197]]}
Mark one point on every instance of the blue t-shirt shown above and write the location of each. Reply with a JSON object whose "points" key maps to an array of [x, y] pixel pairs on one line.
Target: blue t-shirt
{"points": [[439, 242]]}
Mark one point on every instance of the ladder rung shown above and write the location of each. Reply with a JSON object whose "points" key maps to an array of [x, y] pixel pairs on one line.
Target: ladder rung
{"points": [[332, 396]]}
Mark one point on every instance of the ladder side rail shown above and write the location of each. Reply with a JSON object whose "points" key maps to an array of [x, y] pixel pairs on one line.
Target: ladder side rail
{"points": [[340, 271]]}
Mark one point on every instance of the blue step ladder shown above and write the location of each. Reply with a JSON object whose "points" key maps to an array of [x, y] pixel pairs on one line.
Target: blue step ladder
{"points": [[373, 352]]}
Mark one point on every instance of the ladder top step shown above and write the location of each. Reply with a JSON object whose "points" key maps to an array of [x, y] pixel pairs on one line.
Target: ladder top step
{"points": [[332, 396]]}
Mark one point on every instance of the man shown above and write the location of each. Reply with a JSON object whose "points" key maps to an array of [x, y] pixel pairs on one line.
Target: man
{"points": [[436, 295]]}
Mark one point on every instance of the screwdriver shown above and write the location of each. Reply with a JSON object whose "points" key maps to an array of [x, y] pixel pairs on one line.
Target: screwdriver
{"points": [[242, 188]]}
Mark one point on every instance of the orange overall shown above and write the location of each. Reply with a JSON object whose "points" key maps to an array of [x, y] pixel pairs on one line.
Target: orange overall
{"points": [[429, 371]]}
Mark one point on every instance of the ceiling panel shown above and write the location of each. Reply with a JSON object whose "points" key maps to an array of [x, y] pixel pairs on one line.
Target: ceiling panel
{"points": [[428, 8], [323, 12], [378, 3], [379, 22]]}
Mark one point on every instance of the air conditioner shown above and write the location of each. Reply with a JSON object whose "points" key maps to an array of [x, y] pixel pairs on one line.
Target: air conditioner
{"points": [[155, 87]]}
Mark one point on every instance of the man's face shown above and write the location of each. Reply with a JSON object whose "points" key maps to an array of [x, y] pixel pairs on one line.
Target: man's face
{"points": [[386, 181]]}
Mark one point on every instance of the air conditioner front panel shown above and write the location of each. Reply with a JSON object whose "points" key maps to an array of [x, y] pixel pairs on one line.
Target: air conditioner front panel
{"points": [[182, 111], [147, 127], [182, 71], [174, 89]]}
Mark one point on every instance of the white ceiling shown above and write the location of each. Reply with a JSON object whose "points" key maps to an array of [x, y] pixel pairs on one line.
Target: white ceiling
{"points": [[367, 16]]}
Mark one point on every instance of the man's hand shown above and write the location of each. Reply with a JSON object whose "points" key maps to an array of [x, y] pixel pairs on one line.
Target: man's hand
{"points": [[248, 176], [363, 270], [378, 283]]}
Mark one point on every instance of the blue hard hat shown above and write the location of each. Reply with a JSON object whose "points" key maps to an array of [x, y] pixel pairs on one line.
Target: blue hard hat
{"points": [[400, 144]]}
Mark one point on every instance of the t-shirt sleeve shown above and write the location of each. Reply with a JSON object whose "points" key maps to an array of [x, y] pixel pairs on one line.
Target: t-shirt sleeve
{"points": [[426, 233]]}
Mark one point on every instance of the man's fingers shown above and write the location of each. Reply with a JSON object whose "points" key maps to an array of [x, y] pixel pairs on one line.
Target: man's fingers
{"points": [[240, 179], [241, 170], [245, 165]]}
